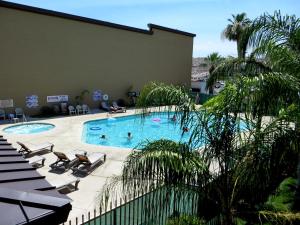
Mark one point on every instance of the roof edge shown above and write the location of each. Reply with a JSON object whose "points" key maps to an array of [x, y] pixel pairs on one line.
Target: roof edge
{"points": [[151, 26], [48, 12]]}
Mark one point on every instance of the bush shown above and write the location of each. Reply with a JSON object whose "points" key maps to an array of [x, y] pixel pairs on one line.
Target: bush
{"points": [[185, 220], [121, 102], [47, 111]]}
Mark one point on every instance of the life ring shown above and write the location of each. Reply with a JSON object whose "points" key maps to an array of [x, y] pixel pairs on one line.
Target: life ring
{"points": [[95, 128], [105, 97]]}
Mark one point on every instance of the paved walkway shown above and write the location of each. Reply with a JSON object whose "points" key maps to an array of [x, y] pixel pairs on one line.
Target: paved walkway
{"points": [[66, 136]]}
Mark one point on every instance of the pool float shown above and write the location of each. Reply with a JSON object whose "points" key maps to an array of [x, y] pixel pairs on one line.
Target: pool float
{"points": [[95, 128], [105, 97], [156, 119]]}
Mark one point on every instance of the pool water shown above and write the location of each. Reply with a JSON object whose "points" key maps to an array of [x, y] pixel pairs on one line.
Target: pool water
{"points": [[29, 128], [115, 130]]}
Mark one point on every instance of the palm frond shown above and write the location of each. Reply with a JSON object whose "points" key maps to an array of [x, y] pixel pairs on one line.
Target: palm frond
{"points": [[164, 97], [282, 30], [163, 162]]}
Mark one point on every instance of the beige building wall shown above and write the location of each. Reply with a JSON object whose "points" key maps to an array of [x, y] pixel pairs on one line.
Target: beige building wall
{"points": [[45, 55]]}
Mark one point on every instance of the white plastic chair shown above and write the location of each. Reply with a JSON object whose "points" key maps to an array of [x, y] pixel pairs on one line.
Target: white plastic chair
{"points": [[78, 109], [85, 109], [19, 112], [71, 110], [2, 114]]}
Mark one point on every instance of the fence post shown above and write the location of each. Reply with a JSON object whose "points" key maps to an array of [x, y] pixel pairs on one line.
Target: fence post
{"points": [[125, 205], [111, 214], [94, 217], [121, 210], [100, 216]]}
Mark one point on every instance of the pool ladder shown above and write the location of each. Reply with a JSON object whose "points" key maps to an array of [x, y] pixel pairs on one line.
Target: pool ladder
{"points": [[24, 118]]}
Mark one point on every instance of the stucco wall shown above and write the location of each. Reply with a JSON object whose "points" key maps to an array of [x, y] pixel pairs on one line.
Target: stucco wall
{"points": [[46, 55]]}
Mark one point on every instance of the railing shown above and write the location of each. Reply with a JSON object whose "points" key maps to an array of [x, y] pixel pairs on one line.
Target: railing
{"points": [[153, 208]]}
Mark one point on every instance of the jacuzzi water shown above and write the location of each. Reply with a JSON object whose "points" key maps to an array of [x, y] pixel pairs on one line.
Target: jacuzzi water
{"points": [[29, 128], [116, 130]]}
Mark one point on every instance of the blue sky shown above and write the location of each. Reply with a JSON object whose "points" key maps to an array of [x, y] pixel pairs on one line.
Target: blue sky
{"points": [[205, 18]]}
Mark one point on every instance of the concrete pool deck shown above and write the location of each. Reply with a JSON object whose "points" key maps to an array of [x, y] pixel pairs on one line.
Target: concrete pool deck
{"points": [[66, 136]]}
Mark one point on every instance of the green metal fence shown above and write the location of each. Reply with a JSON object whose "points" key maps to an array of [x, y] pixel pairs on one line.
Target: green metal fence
{"points": [[153, 208]]}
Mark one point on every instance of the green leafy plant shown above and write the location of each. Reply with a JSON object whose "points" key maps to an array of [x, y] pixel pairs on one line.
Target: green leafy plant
{"points": [[80, 98], [185, 220]]}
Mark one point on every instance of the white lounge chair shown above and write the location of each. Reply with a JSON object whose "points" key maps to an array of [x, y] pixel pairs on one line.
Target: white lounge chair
{"points": [[71, 110], [19, 112], [85, 109], [2, 114], [88, 162], [78, 109], [66, 160], [61, 183], [30, 149]]}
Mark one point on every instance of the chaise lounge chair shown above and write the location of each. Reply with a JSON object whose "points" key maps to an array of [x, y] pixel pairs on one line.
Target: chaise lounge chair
{"points": [[26, 149], [37, 161], [118, 108], [62, 183], [66, 160], [88, 162]]}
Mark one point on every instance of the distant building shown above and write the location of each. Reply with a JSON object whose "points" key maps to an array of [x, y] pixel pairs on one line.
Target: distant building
{"points": [[200, 73]]}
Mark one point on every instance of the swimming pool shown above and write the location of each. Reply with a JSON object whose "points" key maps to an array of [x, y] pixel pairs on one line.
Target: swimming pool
{"points": [[29, 128], [116, 130]]}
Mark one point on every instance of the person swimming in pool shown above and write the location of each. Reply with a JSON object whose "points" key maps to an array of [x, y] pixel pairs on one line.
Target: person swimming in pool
{"points": [[173, 119], [103, 136], [185, 129], [129, 136]]}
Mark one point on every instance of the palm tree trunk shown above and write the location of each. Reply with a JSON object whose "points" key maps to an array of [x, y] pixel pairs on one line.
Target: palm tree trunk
{"points": [[296, 205]]}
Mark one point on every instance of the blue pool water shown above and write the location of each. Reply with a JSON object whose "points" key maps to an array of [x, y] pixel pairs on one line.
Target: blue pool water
{"points": [[152, 128], [29, 128]]}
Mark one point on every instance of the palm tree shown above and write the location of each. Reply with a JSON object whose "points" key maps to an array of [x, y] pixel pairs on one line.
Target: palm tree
{"points": [[214, 59], [238, 31], [250, 161], [275, 40], [277, 37], [172, 165]]}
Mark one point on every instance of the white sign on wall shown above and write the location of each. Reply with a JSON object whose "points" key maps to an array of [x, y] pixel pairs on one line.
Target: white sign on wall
{"points": [[32, 101], [7, 103], [58, 98]]}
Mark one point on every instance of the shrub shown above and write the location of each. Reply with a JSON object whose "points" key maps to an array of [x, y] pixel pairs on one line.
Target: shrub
{"points": [[47, 111], [185, 220]]}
